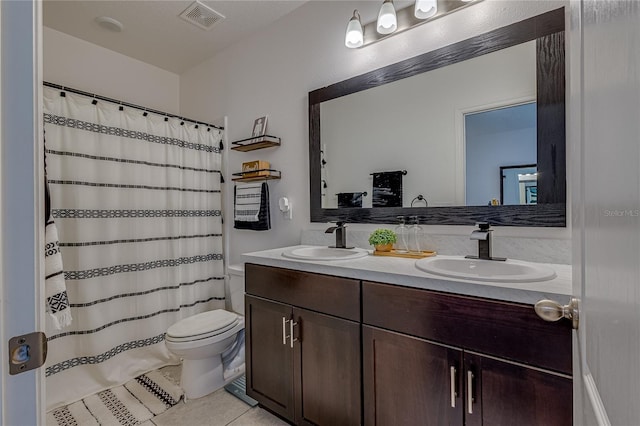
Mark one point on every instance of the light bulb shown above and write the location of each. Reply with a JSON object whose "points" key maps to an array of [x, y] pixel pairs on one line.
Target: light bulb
{"points": [[387, 21], [354, 36], [425, 8]]}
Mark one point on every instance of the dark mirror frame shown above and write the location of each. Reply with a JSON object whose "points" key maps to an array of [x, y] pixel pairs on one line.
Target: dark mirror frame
{"points": [[548, 31]]}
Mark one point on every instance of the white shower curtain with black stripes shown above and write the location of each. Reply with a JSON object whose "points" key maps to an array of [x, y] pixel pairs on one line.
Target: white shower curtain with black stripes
{"points": [[137, 203]]}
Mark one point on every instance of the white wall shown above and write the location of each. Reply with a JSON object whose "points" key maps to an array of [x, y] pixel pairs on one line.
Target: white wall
{"points": [[273, 71], [70, 61]]}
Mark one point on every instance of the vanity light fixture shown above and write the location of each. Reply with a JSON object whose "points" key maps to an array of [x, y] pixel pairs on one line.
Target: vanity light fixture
{"points": [[391, 21], [425, 8], [387, 19], [354, 37]]}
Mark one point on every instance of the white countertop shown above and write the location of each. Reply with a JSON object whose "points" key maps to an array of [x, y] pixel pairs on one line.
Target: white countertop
{"points": [[401, 271]]}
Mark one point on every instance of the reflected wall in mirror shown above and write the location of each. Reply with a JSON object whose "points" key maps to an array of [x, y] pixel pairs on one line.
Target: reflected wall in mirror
{"points": [[455, 119], [425, 123], [519, 184]]}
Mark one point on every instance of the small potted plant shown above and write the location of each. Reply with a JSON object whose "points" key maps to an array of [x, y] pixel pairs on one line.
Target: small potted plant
{"points": [[382, 239]]}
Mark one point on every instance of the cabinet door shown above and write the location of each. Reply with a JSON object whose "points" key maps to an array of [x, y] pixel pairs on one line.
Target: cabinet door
{"points": [[502, 393], [269, 362], [326, 369], [410, 381]]}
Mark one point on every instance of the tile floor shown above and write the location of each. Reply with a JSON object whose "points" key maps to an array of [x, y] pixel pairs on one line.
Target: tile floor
{"points": [[218, 409]]}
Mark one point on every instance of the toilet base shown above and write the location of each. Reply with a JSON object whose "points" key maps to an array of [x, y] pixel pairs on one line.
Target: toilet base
{"points": [[200, 377]]}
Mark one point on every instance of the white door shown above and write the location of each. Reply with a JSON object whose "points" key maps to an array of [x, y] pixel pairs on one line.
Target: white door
{"points": [[21, 395], [604, 134]]}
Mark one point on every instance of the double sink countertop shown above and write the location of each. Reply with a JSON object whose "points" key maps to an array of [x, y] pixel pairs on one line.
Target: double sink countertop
{"points": [[402, 271]]}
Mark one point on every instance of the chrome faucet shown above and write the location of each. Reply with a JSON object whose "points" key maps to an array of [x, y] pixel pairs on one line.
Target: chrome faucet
{"points": [[483, 236], [341, 235]]}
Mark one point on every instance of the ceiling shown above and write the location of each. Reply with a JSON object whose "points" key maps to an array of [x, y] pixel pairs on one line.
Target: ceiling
{"points": [[153, 32]]}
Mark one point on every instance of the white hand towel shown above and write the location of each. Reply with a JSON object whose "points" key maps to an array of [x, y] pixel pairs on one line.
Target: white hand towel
{"points": [[54, 284], [247, 202]]}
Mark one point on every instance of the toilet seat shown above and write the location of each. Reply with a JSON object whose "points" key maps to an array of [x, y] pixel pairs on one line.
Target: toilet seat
{"points": [[202, 326]]}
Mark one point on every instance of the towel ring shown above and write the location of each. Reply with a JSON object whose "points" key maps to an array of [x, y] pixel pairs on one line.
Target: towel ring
{"points": [[420, 197]]}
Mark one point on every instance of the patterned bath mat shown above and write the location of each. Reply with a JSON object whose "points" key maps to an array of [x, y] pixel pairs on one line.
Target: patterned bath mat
{"points": [[134, 403]]}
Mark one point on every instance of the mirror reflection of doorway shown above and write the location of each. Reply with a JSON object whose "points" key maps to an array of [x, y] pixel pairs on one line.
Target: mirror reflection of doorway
{"points": [[501, 141], [518, 184]]}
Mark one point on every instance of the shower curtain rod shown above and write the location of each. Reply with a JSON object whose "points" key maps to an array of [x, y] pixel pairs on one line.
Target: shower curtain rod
{"points": [[115, 101]]}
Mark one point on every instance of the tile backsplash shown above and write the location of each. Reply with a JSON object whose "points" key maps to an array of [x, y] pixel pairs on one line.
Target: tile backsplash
{"points": [[545, 250]]}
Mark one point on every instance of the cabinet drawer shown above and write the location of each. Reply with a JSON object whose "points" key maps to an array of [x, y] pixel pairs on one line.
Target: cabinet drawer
{"points": [[507, 330], [323, 293]]}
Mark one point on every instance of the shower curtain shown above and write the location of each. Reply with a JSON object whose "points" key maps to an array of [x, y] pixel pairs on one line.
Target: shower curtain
{"points": [[137, 201]]}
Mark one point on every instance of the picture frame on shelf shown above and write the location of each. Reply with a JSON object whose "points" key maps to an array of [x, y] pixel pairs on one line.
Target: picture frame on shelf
{"points": [[259, 127]]}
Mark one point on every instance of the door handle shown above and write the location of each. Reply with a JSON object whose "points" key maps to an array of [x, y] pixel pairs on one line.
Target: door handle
{"points": [[470, 391], [292, 324], [452, 375], [284, 330], [550, 310]]}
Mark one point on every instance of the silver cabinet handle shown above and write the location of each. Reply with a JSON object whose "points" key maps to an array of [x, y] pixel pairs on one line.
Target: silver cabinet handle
{"points": [[284, 330], [452, 371], [292, 324], [470, 392]]}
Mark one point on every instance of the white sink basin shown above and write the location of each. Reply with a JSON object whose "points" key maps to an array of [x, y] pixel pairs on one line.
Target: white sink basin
{"points": [[324, 253], [486, 270]]}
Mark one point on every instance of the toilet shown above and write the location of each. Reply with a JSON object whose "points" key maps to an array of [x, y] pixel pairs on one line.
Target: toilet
{"points": [[201, 341], [236, 288]]}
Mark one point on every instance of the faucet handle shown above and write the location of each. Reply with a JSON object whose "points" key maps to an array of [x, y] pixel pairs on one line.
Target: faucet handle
{"points": [[484, 226]]}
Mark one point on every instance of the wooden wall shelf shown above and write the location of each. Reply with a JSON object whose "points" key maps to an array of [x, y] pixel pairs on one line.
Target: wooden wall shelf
{"points": [[259, 142], [251, 176]]}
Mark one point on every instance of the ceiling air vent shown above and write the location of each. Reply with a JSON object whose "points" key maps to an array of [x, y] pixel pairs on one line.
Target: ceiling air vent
{"points": [[201, 16]]}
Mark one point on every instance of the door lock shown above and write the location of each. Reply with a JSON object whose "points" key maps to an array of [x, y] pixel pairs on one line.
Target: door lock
{"points": [[27, 352]]}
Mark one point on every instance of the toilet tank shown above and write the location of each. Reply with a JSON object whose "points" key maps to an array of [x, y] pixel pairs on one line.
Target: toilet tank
{"points": [[236, 288]]}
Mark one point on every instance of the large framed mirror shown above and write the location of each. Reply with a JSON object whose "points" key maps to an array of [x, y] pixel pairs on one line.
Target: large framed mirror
{"points": [[444, 135]]}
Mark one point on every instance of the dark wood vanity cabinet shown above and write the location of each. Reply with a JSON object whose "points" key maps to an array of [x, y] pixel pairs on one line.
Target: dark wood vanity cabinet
{"points": [[303, 345], [326, 350], [412, 381], [422, 363], [269, 361], [504, 393], [409, 381]]}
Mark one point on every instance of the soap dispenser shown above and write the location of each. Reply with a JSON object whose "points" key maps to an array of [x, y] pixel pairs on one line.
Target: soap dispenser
{"points": [[402, 233], [415, 236]]}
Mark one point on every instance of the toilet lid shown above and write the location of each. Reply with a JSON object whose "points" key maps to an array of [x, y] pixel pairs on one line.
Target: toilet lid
{"points": [[206, 322]]}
